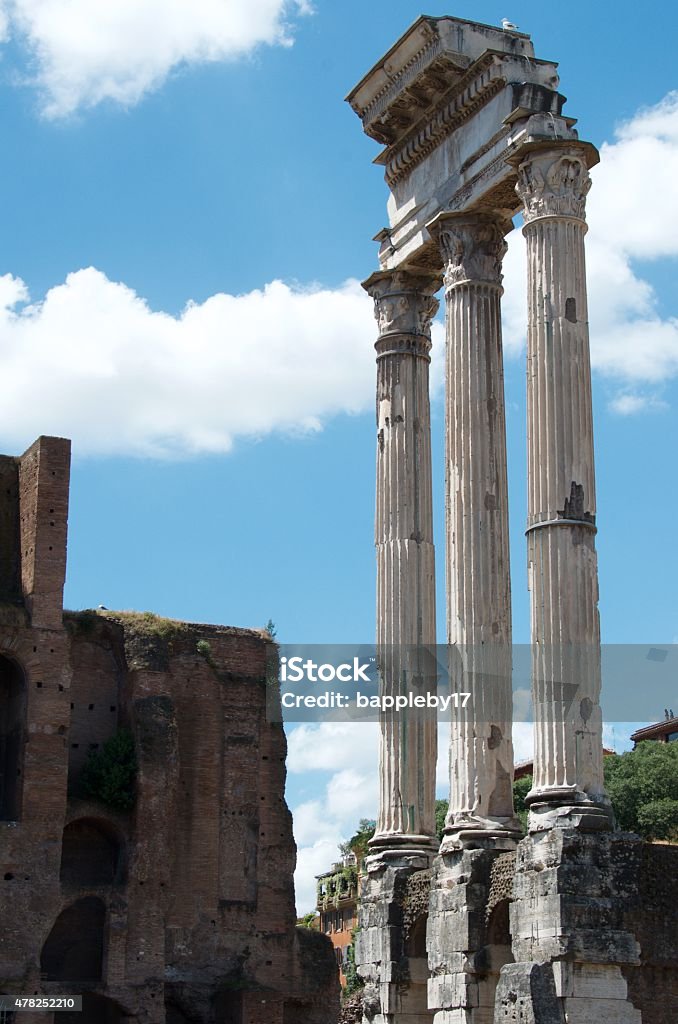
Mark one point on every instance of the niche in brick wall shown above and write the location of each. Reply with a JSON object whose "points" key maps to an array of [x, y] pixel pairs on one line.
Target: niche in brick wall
{"points": [[12, 733], [91, 854], [74, 949]]}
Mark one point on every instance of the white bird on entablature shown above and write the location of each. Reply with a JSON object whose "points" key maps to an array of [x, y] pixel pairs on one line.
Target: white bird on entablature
{"points": [[508, 26]]}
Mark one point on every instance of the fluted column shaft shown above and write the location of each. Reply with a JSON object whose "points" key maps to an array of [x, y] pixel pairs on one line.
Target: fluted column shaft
{"points": [[404, 307], [477, 534], [562, 565]]}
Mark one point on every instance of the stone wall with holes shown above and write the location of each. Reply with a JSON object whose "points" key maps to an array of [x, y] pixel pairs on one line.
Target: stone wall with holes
{"points": [[194, 883], [651, 916]]}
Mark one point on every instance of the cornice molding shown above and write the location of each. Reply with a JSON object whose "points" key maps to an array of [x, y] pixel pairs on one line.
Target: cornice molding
{"points": [[474, 92]]}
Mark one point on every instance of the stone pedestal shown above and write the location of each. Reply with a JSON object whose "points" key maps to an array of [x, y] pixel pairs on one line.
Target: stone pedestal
{"points": [[571, 892], [388, 956], [468, 932]]}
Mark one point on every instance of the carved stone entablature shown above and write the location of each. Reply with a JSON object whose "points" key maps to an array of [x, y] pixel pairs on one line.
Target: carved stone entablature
{"points": [[485, 79], [472, 246], [404, 305], [554, 183], [426, 62], [416, 89]]}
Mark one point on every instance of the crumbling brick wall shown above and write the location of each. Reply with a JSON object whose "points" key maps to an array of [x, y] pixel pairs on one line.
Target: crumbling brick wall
{"points": [[193, 896]]}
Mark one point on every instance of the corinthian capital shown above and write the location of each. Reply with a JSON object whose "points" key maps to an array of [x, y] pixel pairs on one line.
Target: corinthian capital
{"points": [[554, 183], [472, 246], [403, 302]]}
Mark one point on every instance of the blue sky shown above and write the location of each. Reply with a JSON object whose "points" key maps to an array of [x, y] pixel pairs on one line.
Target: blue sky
{"points": [[188, 204]]}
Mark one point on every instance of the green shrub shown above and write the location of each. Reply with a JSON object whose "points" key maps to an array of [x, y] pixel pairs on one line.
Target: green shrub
{"points": [[109, 774]]}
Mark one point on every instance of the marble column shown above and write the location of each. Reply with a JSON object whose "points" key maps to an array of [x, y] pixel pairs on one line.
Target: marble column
{"points": [[404, 307], [553, 182], [477, 533]]}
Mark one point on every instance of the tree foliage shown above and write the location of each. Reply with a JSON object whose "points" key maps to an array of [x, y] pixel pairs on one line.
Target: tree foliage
{"points": [[643, 787], [358, 843], [441, 813], [109, 774], [521, 787], [309, 920]]}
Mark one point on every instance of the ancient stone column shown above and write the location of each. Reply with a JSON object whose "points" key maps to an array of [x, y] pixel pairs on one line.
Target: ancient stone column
{"points": [[553, 182], [477, 533], [404, 307]]}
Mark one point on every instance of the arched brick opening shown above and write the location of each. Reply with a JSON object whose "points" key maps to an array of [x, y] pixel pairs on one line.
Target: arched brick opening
{"points": [[91, 854], [12, 732], [74, 949], [415, 998]]}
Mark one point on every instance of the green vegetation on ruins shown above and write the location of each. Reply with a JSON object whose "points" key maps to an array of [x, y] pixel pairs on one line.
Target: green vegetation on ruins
{"points": [[109, 774], [142, 623]]}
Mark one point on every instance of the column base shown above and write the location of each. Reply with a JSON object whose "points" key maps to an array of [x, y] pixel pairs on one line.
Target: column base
{"points": [[392, 849], [476, 833], [567, 807], [390, 951]]}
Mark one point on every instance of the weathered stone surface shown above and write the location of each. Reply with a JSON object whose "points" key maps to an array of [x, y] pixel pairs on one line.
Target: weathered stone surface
{"points": [[526, 994], [468, 932], [448, 101], [181, 908], [476, 506], [553, 182], [404, 306]]}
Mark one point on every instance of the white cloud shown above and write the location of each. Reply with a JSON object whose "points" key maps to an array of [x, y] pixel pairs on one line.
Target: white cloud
{"points": [[629, 404], [311, 861], [633, 218], [93, 362], [523, 741], [637, 209], [349, 794], [86, 52], [333, 746]]}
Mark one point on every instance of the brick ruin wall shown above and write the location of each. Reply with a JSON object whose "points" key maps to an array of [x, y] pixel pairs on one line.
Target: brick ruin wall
{"points": [[181, 909]]}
